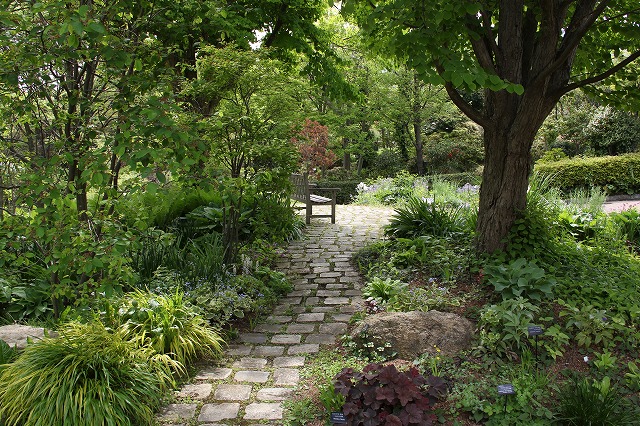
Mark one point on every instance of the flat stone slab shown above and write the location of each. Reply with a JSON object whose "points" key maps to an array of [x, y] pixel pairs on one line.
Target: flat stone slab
{"points": [[288, 361], [336, 301], [217, 412], [257, 338], [328, 293], [198, 391], [286, 377], [213, 373], [301, 328], [267, 328], [274, 394], [313, 317], [176, 412], [263, 411], [232, 393], [286, 339], [251, 376], [306, 348], [268, 350], [334, 328], [254, 363], [279, 319], [341, 317], [322, 339], [239, 350]]}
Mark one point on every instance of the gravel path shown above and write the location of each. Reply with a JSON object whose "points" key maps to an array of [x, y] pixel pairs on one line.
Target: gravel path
{"points": [[262, 368]]}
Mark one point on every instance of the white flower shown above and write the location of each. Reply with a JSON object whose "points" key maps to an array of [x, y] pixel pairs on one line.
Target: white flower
{"points": [[586, 358]]}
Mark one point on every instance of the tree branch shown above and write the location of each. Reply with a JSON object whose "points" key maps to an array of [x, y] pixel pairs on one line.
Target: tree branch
{"points": [[602, 76], [464, 106], [580, 24]]}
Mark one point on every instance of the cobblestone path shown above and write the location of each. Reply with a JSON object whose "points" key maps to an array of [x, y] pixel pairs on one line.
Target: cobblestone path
{"points": [[262, 367]]}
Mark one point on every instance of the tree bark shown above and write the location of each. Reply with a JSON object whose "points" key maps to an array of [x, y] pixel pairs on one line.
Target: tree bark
{"points": [[417, 124], [346, 157]]}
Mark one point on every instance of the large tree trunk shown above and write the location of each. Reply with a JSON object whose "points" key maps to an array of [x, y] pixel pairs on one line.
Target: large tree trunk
{"points": [[504, 186], [508, 139]]}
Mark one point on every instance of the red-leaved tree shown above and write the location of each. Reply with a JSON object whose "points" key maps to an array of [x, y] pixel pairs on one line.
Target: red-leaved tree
{"points": [[312, 141]]}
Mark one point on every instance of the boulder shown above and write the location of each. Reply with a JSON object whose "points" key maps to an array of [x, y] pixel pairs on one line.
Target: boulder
{"points": [[16, 335], [414, 333]]}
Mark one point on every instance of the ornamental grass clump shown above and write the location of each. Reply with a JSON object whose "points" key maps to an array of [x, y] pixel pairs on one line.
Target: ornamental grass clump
{"points": [[89, 375], [168, 325]]}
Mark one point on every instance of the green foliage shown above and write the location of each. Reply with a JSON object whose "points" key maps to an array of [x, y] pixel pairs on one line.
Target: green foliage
{"points": [[593, 326], [190, 260], [7, 353], [585, 401], [628, 222], [519, 278], [616, 175], [529, 405], [88, 375], [426, 217], [382, 394], [432, 296], [385, 290], [331, 400], [554, 154], [26, 300], [165, 323], [368, 347], [457, 151], [613, 132], [300, 412], [503, 327]]}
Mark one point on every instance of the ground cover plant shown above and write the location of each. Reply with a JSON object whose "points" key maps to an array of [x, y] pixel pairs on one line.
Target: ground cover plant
{"points": [[576, 278]]}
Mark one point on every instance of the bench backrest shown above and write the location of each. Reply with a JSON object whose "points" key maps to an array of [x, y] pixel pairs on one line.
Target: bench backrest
{"points": [[300, 184]]}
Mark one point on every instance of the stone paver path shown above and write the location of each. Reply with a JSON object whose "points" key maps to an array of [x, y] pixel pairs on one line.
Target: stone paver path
{"points": [[263, 367]]}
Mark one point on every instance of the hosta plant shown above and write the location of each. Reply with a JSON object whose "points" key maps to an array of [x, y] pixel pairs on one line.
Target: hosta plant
{"points": [[382, 395], [520, 278], [89, 375]]}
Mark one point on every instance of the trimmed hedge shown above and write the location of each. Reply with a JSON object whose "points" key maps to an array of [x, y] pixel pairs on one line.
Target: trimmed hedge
{"points": [[615, 175], [347, 188]]}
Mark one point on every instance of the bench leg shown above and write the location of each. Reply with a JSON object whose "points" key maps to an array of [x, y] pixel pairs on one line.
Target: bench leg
{"points": [[309, 212], [333, 212]]}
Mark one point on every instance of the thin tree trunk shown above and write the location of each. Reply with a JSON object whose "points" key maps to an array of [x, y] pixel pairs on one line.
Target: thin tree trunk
{"points": [[346, 158]]}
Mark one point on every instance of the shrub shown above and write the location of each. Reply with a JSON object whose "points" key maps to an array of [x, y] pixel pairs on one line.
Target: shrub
{"points": [[615, 175], [382, 395], [87, 376]]}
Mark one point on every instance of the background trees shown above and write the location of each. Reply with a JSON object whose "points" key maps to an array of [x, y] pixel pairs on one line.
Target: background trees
{"points": [[526, 56]]}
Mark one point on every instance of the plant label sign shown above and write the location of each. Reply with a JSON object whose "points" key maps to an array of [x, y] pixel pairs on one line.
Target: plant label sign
{"points": [[338, 418], [506, 389], [534, 330]]}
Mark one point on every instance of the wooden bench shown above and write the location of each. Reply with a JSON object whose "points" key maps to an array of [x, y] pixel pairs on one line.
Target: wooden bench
{"points": [[302, 193]]}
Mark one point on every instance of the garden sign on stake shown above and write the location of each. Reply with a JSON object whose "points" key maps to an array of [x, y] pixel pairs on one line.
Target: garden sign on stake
{"points": [[506, 390], [535, 330]]}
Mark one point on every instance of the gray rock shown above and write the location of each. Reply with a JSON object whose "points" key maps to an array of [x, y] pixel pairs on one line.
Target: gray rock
{"points": [[414, 333], [16, 335]]}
